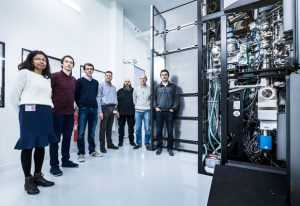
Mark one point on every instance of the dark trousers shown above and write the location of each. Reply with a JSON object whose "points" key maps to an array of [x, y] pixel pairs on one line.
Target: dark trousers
{"points": [[63, 125], [130, 121], [106, 125], [88, 116], [161, 118]]}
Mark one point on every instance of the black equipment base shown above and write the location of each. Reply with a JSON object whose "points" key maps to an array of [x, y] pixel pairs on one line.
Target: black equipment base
{"points": [[242, 187]]}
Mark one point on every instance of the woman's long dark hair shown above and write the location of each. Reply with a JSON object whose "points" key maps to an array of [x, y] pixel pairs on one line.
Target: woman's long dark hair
{"points": [[27, 64]]}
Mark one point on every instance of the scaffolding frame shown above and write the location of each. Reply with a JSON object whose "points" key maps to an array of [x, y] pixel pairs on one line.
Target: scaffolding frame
{"points": [[153, 32]]}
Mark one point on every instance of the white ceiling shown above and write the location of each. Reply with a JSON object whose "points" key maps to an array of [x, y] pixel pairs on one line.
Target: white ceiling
{"points": [[138, 11]]}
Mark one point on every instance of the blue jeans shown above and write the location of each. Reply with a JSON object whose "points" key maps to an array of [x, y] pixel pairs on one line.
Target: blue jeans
{"points": [[90, 116], [161, 117], [63, 125], [139, 118]]}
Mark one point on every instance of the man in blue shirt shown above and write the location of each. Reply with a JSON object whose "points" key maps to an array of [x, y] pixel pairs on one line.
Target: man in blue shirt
{"points": [[86, 99], [107, 103]]}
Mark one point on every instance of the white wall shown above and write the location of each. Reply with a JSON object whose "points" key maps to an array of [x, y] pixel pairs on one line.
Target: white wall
{"points": [[136, 47], [94, 35]]}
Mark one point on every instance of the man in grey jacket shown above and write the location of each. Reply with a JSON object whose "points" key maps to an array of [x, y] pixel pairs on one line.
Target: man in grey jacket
{"points": [[166, 102], [141, 100]]}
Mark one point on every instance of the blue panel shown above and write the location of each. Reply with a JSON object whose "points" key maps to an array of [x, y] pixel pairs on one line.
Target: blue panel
{"points": [[265, 142]]}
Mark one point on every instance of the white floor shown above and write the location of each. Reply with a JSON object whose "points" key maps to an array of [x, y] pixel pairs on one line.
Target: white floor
{"points": [[123, 177]]}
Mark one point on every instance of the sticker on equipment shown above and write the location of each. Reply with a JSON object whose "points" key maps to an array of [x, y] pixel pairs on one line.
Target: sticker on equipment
{"points": [[236, 113]]}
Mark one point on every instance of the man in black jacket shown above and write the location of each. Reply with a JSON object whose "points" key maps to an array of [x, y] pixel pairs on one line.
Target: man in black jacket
{"points": [[166, 102], [126, 112]]}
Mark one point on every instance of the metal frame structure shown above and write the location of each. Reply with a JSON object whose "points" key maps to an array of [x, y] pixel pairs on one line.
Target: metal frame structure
{"points": [[154, 12], [2, 86], [246, 5], [283, 71], [243, 5], [222, 15], [201, 85]]}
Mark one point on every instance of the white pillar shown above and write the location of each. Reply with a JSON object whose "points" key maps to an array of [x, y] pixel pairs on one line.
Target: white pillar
{"points": [[116, 43]]}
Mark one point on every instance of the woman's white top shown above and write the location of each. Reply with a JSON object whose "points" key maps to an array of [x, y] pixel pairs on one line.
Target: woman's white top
{"points": [[31, 88]]}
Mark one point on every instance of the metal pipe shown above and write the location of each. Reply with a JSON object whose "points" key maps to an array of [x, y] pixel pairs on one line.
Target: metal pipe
{"points": [[175, 7], [201, 169], [177, 28], [152, 71], [184, 150], [204, 13], [224, 89], [183, 140], [176, 50]]}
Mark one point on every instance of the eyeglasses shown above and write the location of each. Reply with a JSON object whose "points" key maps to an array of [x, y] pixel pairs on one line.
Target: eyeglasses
{"points": [[91, 69]]}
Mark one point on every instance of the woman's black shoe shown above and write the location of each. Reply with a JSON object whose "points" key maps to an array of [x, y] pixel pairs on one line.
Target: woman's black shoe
{"points": [[39, 180], [30, 186]]}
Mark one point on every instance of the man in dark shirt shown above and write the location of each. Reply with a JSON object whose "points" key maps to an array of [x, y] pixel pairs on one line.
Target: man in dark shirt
{"points": [[166, 102], [86, 100], [126, 112], [63, 89]]}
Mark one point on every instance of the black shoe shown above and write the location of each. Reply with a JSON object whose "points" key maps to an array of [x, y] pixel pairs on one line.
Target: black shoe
{"points": [[103, 150], [120, 144], [159, 150], [137, 146], [40, 180], [132, 144], [30, 186], [55, 171], [148, 147], [69, 164], [171, 153], [112, 146]]}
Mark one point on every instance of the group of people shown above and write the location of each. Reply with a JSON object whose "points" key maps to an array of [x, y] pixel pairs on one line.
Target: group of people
{"points": [[46, 105]]}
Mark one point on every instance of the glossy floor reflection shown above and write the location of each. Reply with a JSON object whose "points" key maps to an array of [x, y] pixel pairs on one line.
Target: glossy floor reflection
{"points": [[123, 177]]}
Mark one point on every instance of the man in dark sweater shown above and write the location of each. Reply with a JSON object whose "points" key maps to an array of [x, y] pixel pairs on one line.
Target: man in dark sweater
{"points": [[126, 112], [63, 87], [86, 99]]}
